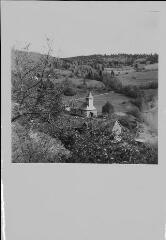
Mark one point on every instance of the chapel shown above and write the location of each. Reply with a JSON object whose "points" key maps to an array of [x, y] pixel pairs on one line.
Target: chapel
{"points": [[87, 109]]}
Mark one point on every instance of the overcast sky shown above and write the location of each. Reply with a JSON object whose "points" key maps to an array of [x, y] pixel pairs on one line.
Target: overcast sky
{"points": [[82, 28]]}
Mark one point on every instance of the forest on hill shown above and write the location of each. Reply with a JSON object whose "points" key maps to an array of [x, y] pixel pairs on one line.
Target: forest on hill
{"points": [[112, 60]]}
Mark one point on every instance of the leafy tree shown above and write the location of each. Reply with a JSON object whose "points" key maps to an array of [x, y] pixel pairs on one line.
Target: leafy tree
{"points": [[32, 90], [69, 91], [108, 108], [134, 111], [96, 144]]}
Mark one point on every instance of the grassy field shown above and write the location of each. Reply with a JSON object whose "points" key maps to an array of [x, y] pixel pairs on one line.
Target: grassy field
{"points": [[153, 66], [120, 102], [120, 70], [128, 76], [138, 78], [79, 81]]}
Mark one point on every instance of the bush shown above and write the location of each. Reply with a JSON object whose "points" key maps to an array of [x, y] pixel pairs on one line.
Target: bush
{"points": [[112, 83], [128, 122], [69, 92], [138, 102], [150, 85], [108, 108], [32, 146], [131, 91], [96, 145], [135, 112], [81, 86]]}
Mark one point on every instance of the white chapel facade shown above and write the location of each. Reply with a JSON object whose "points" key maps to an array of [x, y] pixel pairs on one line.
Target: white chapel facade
{"points": [[87, 109]]}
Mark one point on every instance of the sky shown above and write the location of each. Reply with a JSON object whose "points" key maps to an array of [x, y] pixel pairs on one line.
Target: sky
{"points": [[82, 28]]}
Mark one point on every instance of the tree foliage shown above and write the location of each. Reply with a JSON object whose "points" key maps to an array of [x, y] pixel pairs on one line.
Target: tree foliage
{"points": [[108, 108], [96, 144], [32, 90], [69, 91]]}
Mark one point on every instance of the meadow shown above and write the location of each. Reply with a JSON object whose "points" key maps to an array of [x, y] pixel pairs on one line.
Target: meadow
{"points": [[128, 76], [139, 78], [120, 102]]}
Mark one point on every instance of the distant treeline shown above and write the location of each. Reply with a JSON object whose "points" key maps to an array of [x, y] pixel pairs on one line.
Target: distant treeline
{"points": [[96, 62], [114, 59]]}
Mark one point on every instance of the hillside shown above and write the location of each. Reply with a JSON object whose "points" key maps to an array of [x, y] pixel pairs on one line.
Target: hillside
{"points": [[33, 56], [106, 60], [114, 59]]}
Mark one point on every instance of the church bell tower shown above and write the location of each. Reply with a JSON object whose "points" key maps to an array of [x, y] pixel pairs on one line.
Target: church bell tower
{"points": [[89, 100]]}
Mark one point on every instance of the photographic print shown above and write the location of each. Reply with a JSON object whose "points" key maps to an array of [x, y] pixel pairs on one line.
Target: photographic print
{"points": [[84, 85]]}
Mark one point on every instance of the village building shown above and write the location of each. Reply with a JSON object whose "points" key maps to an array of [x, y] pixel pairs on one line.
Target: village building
{"points": [[87, 109], [117, 130]]}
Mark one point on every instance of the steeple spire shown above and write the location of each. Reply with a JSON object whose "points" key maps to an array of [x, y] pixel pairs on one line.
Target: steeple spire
{"points": [[88, 106], [89, 100], [89, 95]]}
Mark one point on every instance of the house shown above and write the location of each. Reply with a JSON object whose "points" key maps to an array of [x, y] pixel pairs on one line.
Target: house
{"points": [[87, 109], [117, 130]]}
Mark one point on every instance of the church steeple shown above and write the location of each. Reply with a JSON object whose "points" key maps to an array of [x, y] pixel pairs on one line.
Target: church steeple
{"points": [[90, 95], [89, 99], [87, 107]]}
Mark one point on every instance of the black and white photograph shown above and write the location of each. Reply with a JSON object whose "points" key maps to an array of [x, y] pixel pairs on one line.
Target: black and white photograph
{"points": [[83, 120], [84, 84]]}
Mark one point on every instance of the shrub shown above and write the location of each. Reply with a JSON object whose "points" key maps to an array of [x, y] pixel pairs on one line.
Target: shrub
{"points": [[108, 108], [112, 83], [131, 91], [128, 122], [95, 144], [69, 92], [30, 145], [138, 102], [101, 148], [81, 86], [150, 85], [135, 112]]}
